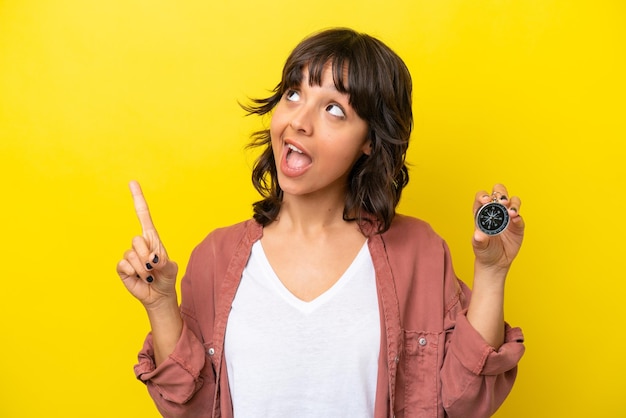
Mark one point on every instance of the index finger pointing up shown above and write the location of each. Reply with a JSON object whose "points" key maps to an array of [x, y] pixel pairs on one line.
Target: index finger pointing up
{"points": [[141, 208]]}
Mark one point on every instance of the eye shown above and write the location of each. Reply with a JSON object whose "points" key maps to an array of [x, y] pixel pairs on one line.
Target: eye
{"points": [[335, 110], [292, 95]]}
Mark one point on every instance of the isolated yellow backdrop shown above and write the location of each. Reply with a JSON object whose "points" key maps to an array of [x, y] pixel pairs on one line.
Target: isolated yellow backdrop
{"points": [[94, 94]]}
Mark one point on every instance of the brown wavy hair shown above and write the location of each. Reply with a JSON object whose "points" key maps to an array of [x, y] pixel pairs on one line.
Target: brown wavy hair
{"points": [[379, 87]]}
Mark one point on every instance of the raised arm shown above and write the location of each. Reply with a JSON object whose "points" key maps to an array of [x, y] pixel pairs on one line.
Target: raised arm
{"points": [[493, 257], [150, 276]]}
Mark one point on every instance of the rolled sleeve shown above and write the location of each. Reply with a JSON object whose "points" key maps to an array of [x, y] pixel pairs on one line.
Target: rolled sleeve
{"points": [[178, 378], [476, 378], [473, 352]]}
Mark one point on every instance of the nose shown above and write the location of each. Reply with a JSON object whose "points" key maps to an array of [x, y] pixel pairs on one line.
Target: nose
{"points": [[302, 119]]}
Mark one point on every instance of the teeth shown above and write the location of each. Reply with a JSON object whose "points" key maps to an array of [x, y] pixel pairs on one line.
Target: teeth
{"points": [[293, 148]]}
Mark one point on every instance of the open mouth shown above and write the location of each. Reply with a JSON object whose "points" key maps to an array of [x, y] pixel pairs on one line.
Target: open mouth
{"points": [[296, 159]]}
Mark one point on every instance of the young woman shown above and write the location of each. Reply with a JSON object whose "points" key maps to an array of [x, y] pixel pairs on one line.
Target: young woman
{"points": [[328, 303]]}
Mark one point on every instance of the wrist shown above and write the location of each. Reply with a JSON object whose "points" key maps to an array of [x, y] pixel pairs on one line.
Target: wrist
{"points": [[493, 273], [161, 301], [163, 309]]}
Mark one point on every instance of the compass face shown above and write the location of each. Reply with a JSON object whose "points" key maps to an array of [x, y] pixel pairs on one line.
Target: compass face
{"points": [[492, 218]]}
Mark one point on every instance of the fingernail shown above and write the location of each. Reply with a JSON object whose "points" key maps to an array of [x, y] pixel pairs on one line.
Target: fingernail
{"points": [[514, 209], [155, 259], [503, 197], [148, 266], [149, 279]]}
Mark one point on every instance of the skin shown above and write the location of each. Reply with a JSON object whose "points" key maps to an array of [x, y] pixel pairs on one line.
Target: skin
{"points": [[158, 296], [319, 121], [493, 258]]}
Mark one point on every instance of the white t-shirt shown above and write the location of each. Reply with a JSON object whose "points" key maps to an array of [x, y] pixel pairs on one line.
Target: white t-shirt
{"points": [[289, 358]]}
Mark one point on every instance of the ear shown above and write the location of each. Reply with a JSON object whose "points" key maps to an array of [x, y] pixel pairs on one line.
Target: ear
{"points": [[367, 147]]}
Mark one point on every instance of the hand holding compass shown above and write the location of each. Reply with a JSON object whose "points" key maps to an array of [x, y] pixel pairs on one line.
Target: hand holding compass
{"points": [[499, 228]]}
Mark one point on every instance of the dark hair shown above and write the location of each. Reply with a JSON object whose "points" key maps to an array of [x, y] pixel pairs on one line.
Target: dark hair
{"points": [[379, 88]]}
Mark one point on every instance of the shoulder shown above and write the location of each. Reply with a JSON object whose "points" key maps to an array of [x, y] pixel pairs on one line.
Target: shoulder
{"points": [[407, 230], [226, 239], [411, 242], [406, 221]]}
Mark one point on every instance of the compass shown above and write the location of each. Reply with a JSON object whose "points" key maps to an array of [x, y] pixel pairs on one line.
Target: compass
{"points": [[492, 218]]}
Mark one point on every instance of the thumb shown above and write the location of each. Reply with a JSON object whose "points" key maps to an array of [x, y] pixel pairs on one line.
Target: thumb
{"points": [[480, 240]]}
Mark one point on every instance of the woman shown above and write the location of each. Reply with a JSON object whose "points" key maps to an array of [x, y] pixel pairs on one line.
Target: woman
{"points": [[328, 303]]}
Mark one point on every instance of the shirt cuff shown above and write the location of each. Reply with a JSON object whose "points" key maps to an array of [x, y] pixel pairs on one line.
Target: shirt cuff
{"points": [[178, 378], [476, 355]]}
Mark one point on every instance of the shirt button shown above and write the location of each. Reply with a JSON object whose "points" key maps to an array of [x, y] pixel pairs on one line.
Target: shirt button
{"points": [[422, 341], [211, 351], [397, 359]]}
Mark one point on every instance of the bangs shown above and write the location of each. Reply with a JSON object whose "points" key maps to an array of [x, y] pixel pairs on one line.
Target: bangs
{"points": [[316, 65], [356, 63], [350, 74]]}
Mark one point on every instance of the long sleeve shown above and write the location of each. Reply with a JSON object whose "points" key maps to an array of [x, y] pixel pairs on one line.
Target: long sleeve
{"points": [[178, 378], [184, 384], [444, 366], [475, 377]]}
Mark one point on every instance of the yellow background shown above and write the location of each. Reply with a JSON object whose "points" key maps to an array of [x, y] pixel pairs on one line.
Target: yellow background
{"points": [[96, 93]]}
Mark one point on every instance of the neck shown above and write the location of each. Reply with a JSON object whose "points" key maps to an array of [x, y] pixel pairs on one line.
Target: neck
{"points": [[307, 215]]}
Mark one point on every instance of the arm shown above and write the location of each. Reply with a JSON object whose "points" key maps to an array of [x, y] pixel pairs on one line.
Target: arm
{"points": [[475, 377], [486, 309], [482, 351], [172, 361], [494, 255], [184, 383], [167, 326], [150, 277]]}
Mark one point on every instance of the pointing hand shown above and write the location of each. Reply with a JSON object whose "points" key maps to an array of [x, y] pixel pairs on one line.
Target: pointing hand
{"points": [[146, 271]]}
